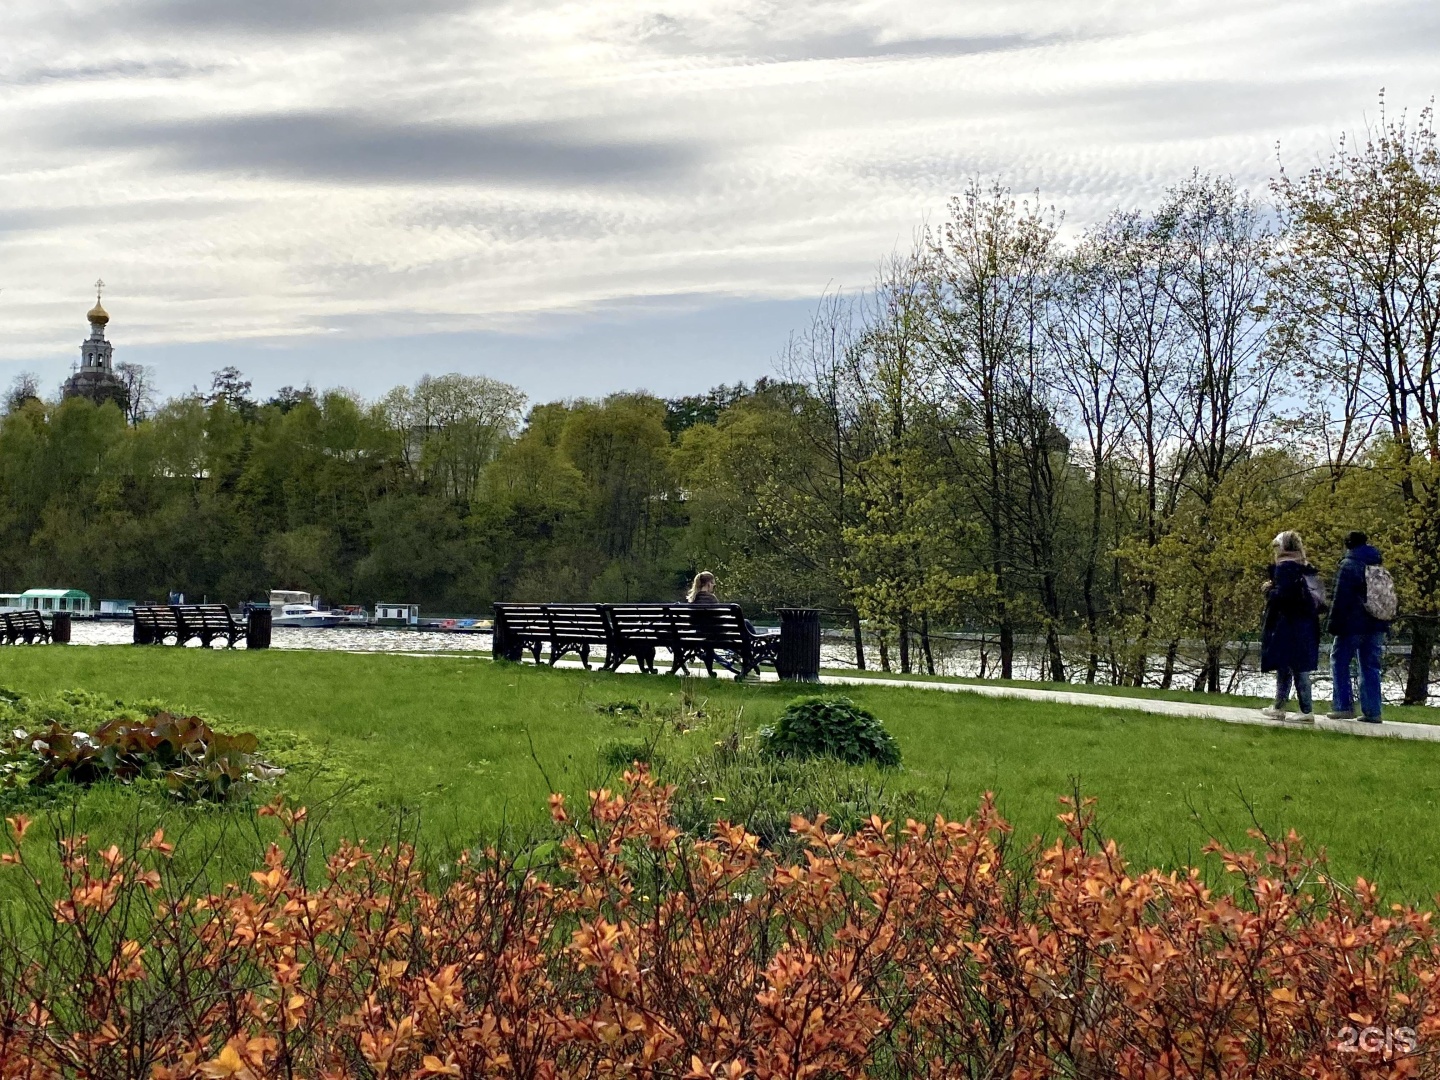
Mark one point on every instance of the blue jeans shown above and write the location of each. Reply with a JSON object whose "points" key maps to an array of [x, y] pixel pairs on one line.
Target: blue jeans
{"points": [[1283, 678], [1369, 649]]}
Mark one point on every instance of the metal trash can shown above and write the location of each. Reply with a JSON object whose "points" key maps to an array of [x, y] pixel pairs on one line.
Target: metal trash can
{"points": [[798, 658], [257, 627], [60, 628]]}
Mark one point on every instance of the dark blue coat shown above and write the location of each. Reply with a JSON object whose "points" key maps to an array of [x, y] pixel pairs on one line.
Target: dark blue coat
{"points": [[1347, 608], [1291, 638]]}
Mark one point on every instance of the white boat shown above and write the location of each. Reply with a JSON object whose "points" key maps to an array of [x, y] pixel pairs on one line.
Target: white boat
{"points": [[304, 615]]}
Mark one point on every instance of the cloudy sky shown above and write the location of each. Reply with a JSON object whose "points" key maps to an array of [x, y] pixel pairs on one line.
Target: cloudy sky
{"points": [[588, 197]]}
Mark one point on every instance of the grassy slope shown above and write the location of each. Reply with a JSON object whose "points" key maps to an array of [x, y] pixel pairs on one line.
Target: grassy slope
{"points": [[452, 738]]}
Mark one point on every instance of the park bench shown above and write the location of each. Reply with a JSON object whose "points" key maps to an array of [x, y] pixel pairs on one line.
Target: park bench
{"points": [[153, 624], [207, 622], [27, 626], [182, 623], [712, 634], [566, 628]]}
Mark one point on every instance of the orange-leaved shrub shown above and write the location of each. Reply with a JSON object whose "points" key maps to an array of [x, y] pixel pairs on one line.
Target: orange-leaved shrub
{"points": [[903, 950]]}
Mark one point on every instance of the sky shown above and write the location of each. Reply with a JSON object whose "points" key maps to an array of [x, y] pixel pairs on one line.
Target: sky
{"points": [[583, 198]]}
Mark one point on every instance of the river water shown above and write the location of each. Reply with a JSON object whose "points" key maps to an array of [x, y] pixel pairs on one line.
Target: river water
{"points": [[951, 658], [330, 639]]}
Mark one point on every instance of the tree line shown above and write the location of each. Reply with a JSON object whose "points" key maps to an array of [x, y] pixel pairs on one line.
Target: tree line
{"points": [[1081, 441]]}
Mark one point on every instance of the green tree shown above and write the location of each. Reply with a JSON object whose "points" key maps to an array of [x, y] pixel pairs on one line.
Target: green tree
{"points": [[1362, 276]]}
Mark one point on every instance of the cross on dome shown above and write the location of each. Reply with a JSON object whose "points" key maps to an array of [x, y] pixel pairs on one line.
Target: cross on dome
{"points": [[98, 314]]}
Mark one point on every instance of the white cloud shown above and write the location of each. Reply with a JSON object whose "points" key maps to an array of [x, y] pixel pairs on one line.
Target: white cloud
{"points": [[318, 163]]}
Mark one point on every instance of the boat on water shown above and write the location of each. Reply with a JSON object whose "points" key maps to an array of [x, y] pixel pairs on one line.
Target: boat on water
{"points": [[290, 607], [351, 615], [304, 615]]}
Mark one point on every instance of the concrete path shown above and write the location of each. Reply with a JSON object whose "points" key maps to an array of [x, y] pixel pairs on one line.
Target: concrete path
{"points": [[1227, 713]]}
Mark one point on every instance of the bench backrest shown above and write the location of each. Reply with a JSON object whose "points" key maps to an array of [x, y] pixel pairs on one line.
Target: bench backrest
{"points": [[707, 624], [157, 617], [644, 623], [206, 616], [25, 620], [720, 625], [568, 622]]}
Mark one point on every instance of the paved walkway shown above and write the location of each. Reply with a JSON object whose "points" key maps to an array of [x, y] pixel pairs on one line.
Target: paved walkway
{"points": [[1229, 714]]}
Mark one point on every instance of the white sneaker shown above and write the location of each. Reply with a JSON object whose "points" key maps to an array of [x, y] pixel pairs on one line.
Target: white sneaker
{"points": [[1302, 718], [1273, 713]]}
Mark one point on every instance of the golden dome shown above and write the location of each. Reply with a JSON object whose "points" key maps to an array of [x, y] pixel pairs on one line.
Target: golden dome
{"points": [[98, 314]]}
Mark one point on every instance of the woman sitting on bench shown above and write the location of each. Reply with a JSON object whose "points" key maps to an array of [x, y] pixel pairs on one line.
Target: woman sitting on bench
{"points": [[702, 590], [702, 594]]}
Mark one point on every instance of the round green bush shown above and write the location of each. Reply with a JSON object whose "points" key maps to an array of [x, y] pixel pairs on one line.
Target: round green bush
{"points": [[831, 727]]}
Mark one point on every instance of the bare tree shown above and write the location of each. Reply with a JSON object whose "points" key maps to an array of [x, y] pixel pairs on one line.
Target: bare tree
{"points": [[138, 381], [1153, 374], [822, 358], [991, 261], [1219, 254], [26, 387], [1088, 330]]}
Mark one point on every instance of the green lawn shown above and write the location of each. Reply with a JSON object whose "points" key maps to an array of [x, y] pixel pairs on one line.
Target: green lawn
{"points": [[462, 746]]}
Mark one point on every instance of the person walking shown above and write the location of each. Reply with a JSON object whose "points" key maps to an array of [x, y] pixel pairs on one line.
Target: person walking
{"points": [[1359, 619], [1290, 642]]}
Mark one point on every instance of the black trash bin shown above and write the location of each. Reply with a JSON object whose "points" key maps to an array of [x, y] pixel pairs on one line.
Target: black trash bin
{"points": [[60, 628], [503, 645], [257, 627], [798, 659]]}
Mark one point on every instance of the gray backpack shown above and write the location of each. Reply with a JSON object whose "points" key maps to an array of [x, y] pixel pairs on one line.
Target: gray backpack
{"points": [[1380, 599]]}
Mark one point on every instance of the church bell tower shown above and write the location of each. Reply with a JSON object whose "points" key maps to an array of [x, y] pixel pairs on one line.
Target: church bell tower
{"points": [[96, 378]]}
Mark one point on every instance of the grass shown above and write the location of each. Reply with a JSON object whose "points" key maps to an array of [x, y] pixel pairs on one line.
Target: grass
{"points": [[456, 749], [1410, 714]]}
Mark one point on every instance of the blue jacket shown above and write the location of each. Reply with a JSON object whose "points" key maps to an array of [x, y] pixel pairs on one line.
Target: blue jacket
{"points": [[1347, 605], [1291, 636]]}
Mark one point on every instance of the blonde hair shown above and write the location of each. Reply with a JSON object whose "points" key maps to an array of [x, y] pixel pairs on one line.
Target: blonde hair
{"points": [[1288, 547], [703, 581]]}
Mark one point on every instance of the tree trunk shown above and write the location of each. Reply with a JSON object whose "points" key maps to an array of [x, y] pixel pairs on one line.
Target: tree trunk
{"points": [[1007, 645], [856, 629], [904, 644], [1057, 661], [1422, 649], [1142, 646], [925, 644], [1208, 620], [1050, 597], [1168, 675], [1212, 668], [884, 653], [1092, 618]]}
